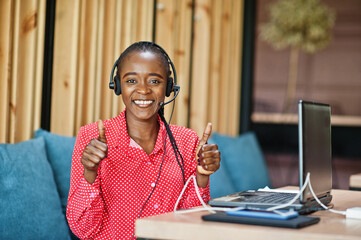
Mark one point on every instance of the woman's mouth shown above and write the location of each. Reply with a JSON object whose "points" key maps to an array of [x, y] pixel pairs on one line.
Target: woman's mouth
{"points": [[143, 103]]}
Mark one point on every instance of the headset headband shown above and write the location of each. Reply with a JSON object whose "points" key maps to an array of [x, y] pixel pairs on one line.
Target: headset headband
{"points": [[176, 88]]}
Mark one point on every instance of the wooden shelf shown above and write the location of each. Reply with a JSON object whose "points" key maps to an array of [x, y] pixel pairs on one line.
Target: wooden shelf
{"points": [[283, 118], [355, 181]]}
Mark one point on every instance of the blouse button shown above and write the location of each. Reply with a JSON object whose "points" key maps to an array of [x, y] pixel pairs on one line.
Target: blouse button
{"points": [[155, 206], [153, 184], [148, 163]]}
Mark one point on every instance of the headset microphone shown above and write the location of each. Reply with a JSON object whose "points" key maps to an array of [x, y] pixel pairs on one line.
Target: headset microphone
{"points": [[176, 90]]}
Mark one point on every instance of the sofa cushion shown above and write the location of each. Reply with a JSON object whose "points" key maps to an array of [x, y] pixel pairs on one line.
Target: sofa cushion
{"points": [[30, 205], [59, 151], [243, 161], [220, 182]]}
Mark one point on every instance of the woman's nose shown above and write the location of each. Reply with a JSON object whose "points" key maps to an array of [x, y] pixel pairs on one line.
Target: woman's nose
{"points": [[143, 88]]}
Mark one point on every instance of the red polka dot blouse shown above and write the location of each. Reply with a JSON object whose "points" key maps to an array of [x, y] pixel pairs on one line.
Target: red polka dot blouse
{"points": [[108, 208]]}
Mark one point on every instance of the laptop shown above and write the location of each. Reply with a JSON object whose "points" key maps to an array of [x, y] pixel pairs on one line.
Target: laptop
{"points": [[315, 157]]}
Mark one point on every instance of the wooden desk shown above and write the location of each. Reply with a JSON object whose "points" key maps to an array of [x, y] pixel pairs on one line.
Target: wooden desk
{"points": [[191, 226]]}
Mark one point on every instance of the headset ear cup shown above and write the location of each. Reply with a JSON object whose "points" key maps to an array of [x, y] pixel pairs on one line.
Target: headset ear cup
{"points": [[117, 88], [169, 87]]}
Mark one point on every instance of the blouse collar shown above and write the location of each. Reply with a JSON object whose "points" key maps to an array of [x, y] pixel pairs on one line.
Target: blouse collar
{"points": [[124, 139]]}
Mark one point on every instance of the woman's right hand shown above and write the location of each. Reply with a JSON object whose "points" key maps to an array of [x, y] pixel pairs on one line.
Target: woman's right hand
{"points": [[94, 153]]}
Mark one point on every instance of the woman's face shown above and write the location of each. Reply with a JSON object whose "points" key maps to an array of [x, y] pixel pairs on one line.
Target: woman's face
{"points": [[143, 83]]}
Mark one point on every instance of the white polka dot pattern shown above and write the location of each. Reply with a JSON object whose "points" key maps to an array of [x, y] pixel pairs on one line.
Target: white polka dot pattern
{"points": [[107, 209]]}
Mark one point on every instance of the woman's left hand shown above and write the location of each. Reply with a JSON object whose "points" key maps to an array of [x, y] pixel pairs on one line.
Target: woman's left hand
{"points": [[209, 157]]}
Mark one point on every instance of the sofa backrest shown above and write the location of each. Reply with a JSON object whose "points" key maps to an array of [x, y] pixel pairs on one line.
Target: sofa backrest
{"points": [[29, 200], [243, 166]]}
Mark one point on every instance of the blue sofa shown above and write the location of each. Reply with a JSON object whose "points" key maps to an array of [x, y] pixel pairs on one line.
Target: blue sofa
{"points": [[35, 180], [243, 166], [34, 185]]}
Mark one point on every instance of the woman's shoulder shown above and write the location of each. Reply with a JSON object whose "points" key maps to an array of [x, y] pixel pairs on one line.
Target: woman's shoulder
{"points": [[92, 131], [183, 132], [89, 129]]}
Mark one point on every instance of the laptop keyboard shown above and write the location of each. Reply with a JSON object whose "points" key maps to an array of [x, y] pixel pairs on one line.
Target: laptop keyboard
{"points": [[269, 197]]}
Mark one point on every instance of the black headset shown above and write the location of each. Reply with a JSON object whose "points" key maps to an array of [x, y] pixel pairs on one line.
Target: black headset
{"points": [[171, 83]]}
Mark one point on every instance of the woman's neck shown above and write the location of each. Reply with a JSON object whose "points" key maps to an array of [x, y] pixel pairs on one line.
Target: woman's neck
{"points": [[143, 132]]}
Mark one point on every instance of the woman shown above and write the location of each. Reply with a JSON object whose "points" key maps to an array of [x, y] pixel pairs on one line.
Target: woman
{"points": [[128, 166]]}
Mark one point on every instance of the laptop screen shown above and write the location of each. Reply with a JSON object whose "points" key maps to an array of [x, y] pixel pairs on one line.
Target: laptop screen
{"points": [[314, 131]]}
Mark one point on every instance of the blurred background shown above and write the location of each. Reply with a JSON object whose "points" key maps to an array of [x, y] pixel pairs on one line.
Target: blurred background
{"points": [[56, 57]]}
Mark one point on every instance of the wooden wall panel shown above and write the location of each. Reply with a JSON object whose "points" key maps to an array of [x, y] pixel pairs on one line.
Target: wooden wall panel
{"points": [[165, 37], [87, 58], [173, 33], [99, 81], [22, 50], [146, 23], [216, 65], [235, 69], [133, 22], [6, 11], [225, 64], [200, 67], [14, 72], [215, 70], [101, 31], [117, 48], [183, 56], [65, 67], [202, 37], [230, 65], [107, 57], [39, 65]]}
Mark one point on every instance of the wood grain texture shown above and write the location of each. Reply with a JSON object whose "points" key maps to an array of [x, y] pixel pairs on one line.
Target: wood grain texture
{"points": [[107, 57], [183, 56], [215, 77], [200, 65], [216, 66], [100, 31], [14, 72], [202, 37], [225, 65], [165, 36], [65, 67], [25, 65], [235, 70], [6, 11], [22, 45], [39, 65]]}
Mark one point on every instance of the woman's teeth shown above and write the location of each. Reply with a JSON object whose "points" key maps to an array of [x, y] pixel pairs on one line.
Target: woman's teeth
{"points": [[142, 102]]}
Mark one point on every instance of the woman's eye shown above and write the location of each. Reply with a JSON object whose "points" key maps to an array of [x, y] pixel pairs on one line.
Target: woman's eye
{"points": [[130, 81], [154, 81]]}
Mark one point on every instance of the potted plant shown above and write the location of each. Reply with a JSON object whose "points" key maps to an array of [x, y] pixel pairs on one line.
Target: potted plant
{"points": [[302, 25]]}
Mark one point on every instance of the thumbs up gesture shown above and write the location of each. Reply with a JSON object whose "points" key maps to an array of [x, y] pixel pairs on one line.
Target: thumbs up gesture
{"points": [[94, 153], [209, 157]]}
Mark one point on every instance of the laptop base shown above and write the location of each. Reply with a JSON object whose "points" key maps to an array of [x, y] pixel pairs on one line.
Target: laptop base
{"points": [[244, 199]]}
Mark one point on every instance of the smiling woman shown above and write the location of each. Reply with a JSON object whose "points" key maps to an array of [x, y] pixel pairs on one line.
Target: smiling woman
{"points": [[135, 165], [143, 83]]}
